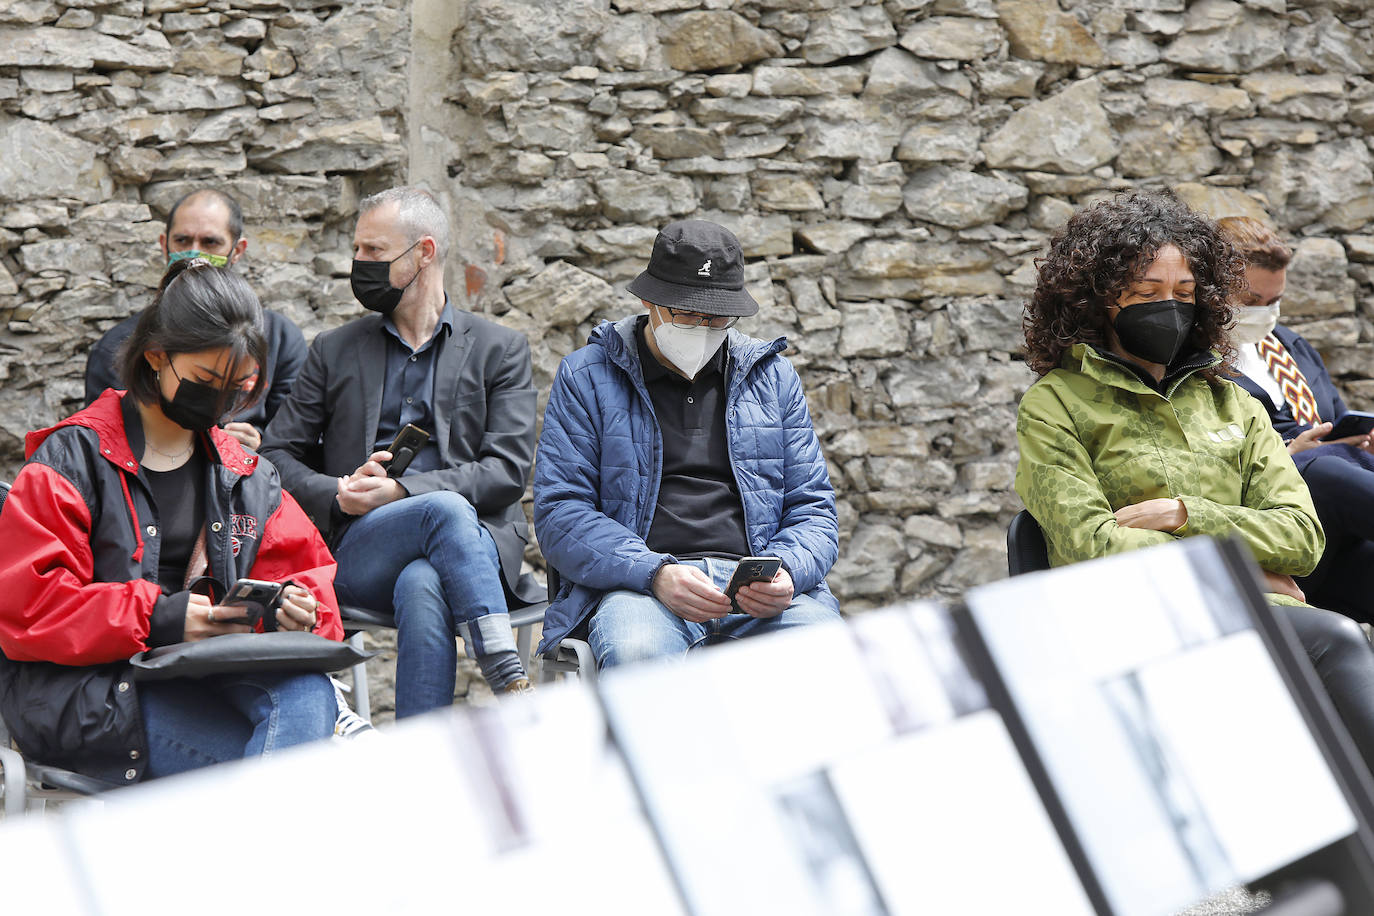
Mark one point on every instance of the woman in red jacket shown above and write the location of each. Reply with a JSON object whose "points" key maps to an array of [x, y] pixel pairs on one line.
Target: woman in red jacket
{"points": [[117, 530]]}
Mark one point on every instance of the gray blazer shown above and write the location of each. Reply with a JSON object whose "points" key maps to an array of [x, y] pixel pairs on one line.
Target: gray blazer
{"points": [[484, 403]]}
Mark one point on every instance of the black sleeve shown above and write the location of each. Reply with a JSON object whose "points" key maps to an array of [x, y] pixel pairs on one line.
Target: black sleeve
{"points": [[293, 435], [100, 368], [287, 362], [168, 624]]}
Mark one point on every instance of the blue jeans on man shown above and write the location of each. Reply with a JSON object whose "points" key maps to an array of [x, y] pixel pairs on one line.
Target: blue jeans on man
{"points": [[194, 722], [630, 626], [428, 560]]}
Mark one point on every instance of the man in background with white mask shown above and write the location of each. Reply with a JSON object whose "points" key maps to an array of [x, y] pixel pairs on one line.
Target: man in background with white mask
{"points": [[673, 446], [1287, 375]]}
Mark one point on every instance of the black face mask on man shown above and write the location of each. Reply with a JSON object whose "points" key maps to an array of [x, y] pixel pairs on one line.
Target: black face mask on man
{"points": [[195, 405], [371, 282], [1155, 331]]}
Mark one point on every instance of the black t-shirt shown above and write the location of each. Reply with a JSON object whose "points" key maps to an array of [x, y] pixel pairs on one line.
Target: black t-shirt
{"points": [[699, 511], [179, 497]]}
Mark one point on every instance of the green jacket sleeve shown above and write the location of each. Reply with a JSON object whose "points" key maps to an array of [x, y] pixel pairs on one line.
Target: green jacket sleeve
{"points": [[1056, 481], [1276, 519]]}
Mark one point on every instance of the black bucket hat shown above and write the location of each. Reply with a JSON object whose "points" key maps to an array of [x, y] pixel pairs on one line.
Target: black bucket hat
{"points": [[696, 266]]}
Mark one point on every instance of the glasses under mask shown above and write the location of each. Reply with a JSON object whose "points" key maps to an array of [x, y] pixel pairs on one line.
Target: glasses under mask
{"points": [[687, 320]]}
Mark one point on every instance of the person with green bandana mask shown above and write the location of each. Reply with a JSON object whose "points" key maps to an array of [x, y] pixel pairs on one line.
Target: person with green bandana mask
{"points": [[207, 223]]}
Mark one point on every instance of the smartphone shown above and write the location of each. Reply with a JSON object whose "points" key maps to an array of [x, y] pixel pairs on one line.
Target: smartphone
{"points": [[403, 448], [257, 598], [1353, 423], [751, 569]]}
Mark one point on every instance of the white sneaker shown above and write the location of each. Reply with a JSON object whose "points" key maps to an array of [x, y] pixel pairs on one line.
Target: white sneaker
{"points": [[349, 724]]}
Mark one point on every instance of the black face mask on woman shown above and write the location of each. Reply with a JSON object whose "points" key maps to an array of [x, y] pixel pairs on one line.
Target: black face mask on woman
{"points": [[371, 282], [194, 406], [1155, 331]]}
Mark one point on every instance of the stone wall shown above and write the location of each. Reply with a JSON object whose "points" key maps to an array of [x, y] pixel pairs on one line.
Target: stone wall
{"points": [[892, 169], [109, 111]]}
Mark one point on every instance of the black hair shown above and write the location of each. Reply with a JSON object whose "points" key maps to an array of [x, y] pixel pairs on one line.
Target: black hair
{"points": [[235, 212], [197, 307]]}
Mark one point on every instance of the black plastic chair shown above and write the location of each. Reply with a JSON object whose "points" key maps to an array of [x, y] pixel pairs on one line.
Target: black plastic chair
{"points": [[1026, 550], [572, 655], [22, 781]]}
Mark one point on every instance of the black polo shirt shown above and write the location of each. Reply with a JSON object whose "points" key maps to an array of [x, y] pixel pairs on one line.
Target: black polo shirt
{"points": [[699, 511], [408, 388]]}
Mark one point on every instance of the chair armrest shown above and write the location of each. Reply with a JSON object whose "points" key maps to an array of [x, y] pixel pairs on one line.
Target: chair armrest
{"points": [[66, 780], [13, 773]]}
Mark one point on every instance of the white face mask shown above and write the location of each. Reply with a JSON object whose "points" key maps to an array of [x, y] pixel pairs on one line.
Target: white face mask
{"points": [[688, 348], [1255, 322]]}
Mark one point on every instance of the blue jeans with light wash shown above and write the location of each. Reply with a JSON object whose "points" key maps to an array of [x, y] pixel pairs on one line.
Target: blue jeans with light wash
{"points": [[194, 722], [631, 626], [428, 560]]}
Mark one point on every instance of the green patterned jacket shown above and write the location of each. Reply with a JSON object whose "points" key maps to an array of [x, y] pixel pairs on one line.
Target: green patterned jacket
{"points": [[1095, 438]]}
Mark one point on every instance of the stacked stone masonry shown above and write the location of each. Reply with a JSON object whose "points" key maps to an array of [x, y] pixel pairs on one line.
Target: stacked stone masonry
{"points": [[892, 170]]}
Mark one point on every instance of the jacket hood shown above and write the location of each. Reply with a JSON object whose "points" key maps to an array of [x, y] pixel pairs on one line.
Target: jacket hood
{"points": [[618, 338], [105, 417]]}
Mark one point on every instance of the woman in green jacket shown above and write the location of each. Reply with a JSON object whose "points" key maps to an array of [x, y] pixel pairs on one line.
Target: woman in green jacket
{"points": [[1133, 435]]}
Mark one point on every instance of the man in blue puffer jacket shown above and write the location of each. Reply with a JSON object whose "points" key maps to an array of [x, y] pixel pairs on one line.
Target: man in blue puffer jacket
{"points": [[672, 447]]}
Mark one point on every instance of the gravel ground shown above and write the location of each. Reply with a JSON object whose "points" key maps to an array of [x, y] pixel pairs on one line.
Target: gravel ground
{"points": [[1234, 902]]}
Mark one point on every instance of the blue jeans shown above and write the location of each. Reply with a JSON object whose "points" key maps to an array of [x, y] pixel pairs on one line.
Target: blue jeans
{"points": [[428, 560], [194, 722], [630, 626]]}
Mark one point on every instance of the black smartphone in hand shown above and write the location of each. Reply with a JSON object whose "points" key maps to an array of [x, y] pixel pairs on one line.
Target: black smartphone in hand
{"points": [[257, 599], [1352, 423], [404, 448], [751, 569]]}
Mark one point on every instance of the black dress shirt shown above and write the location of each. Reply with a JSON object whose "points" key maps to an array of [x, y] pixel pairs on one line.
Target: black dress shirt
{"points": [[699, 511], [408, 388]]}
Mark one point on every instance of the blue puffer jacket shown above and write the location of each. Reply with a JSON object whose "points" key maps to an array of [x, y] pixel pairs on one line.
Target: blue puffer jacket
{"points": [[600, 460]]}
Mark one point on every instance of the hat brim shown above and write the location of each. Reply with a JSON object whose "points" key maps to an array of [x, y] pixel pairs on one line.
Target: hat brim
{"points": [[708, 300]]}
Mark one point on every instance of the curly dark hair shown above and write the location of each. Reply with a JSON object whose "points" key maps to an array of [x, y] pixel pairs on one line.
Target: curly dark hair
{"points": [[1105, 248]]}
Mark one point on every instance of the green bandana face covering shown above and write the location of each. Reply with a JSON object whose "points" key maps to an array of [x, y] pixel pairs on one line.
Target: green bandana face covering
{"points": [[216, 260]]}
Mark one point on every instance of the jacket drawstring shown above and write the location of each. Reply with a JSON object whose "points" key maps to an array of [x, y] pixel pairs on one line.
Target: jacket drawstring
{"points": [[133, 517]]}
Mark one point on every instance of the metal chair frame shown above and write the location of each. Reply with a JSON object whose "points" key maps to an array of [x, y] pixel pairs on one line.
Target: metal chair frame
{"points": [[572, 656], [360, 620]]}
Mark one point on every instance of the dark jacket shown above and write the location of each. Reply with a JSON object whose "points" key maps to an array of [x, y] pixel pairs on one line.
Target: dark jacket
{"points": [[1330, 405], [285, 354], [601, 461], [78, 589], [484, 417]]}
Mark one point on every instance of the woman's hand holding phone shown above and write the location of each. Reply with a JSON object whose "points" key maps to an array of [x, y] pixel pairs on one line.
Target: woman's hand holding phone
{"points": [[1311, 438], [299, 610], [204, 620]]}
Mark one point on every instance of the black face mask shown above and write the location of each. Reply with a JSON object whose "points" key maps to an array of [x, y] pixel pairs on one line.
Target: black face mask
{"points": [[195, 406], [1155, 331], [371, 282]]}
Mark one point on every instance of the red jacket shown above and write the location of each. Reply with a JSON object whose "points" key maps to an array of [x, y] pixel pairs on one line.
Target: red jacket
{"points": [[77, 578]]}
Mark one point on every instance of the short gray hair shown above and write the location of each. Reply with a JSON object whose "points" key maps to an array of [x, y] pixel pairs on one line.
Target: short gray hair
{"points": [[417, 213]]}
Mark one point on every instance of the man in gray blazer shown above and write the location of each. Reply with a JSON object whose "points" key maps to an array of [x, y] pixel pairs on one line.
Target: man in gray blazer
{"points": [[441, 542]]}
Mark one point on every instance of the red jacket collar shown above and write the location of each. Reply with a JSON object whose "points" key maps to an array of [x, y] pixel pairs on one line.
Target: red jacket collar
{"points": [[106, 418]]}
